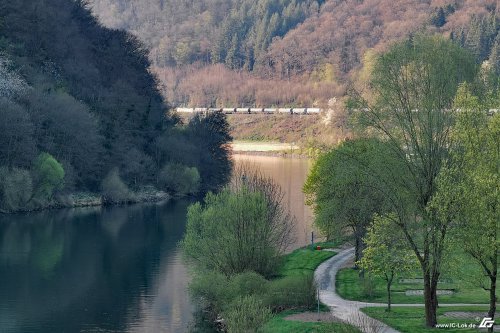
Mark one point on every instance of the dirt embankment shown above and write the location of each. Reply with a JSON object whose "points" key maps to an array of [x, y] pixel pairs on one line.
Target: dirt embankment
{"points": [[300, 130]]}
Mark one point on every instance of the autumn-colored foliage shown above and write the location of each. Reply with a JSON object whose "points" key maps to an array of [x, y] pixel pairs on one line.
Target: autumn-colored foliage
{"points": [[286, 52]]}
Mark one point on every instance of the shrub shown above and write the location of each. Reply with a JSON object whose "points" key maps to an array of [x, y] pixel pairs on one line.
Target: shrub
{"points": [[15, 189], [179, 179], [114, 189], [248, 283], [245, 227], [296, 291], [246, 314], [232, 234], [211, 289], [49, 176]]}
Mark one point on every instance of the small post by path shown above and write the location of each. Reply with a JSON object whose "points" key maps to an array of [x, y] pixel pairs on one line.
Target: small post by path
{"points": [[318, 300]]}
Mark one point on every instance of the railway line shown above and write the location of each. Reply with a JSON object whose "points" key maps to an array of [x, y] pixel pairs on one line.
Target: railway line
{"points": [[248, 110]]}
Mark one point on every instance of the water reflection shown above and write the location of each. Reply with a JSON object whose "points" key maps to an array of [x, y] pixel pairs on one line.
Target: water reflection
{"points": [[111, 269], [94, 270], [290, 174]]}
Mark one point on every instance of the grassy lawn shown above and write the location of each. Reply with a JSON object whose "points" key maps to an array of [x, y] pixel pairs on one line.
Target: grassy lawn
{"points": [[304, 261], [411, 320], [350, 286], [327, 245], [279, 325]]}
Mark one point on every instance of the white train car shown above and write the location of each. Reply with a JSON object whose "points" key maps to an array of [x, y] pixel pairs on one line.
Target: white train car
{"points": [[313, 110], [299, 110], [248, 110], [184, 110], [242, 110]]}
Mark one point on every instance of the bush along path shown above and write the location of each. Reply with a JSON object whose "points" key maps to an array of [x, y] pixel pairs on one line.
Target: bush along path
{"points": [[350, 311]]}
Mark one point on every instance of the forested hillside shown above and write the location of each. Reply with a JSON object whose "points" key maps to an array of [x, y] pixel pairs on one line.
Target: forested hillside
{"points": [[234, 32], [285, 52], [81, 111]]}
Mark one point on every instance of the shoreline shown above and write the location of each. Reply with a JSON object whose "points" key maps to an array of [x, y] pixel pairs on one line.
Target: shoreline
{"points": [[267, 148], [271, 154], [82, 200]]}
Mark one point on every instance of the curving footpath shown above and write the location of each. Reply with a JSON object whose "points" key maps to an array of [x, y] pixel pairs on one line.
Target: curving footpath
{"points": [[349, 311]]}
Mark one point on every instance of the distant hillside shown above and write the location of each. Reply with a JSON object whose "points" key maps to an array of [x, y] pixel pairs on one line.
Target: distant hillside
{"points": [[179, 32], [346, 29], [285, 52]]}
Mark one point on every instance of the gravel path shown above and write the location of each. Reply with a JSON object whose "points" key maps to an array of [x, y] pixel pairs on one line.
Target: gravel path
{"points": [[349, 311]]}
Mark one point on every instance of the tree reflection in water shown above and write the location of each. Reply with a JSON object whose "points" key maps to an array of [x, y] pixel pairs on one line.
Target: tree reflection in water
{"points": [[94, 269]]}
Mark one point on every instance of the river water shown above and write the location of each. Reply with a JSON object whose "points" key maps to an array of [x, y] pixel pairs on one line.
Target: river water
{"points": [[112, 269]]}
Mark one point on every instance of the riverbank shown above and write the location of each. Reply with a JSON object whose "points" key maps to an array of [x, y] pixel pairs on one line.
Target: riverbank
{"points": [[271, 149], [83, 199], [290, 295]]}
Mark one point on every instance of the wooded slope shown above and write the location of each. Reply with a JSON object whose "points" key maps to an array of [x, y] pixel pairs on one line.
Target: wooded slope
{"points": [[278, 52]]}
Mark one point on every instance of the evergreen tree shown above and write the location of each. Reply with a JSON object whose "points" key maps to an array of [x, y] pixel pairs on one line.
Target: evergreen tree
{"points": [[494, 57], [439, 18]]}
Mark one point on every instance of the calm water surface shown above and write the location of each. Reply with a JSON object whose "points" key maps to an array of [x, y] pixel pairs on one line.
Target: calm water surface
{"points": [[290, 174], [114, 269]]}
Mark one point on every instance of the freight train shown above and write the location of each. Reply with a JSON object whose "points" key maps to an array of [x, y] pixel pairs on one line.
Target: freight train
{"points": [[251, 110]]}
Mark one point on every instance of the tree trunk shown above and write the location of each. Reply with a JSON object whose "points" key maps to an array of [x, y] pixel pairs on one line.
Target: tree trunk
{"points": [[493, 298], [389, 283], [430, 299], [357, 248]]}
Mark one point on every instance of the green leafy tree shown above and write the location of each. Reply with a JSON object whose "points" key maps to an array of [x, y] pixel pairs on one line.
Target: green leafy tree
{"points": [[49, 177], [211, 136], [243, 227], [179, 179], [468, 191], [386, 253], [343, 188], [414, 85]]}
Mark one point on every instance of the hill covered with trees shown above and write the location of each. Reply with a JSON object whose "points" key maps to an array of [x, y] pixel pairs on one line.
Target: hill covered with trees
{"points": [[81, 111], [286, 52]]}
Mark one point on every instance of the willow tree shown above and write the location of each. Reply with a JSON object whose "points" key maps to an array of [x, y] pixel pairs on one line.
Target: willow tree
{"points": [[413, 85]]}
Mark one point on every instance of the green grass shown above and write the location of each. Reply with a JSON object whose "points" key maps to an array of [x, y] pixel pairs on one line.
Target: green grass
{"points": [[327, 245], [303, 261], [350, 286], [279, 325], [411, 320]]}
